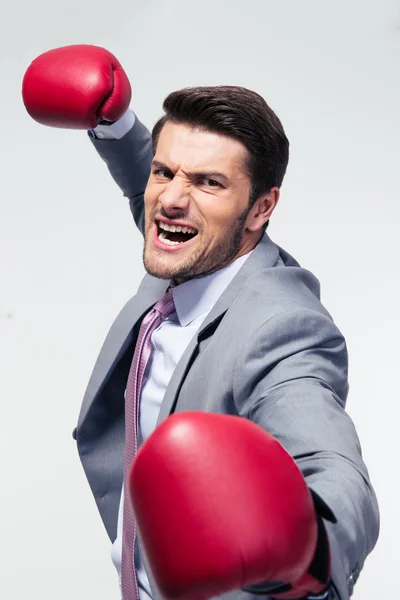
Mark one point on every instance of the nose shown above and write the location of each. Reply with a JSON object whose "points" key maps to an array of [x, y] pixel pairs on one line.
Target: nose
{"points": [[175, 198]]}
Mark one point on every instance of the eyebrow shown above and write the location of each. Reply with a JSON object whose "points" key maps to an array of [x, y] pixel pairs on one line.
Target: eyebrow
{"points": [[194, 174]]}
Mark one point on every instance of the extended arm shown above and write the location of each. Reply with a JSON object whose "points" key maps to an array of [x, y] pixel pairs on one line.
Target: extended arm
{"points": [[277, 503], [299, 397]]}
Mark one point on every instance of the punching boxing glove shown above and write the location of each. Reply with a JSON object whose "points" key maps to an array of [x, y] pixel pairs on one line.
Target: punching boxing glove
{"points": [[220, 505], [76, 87]]}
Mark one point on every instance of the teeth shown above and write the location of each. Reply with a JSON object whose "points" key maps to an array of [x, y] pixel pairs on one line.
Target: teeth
{"points": [[175, 228], [163, 237]]}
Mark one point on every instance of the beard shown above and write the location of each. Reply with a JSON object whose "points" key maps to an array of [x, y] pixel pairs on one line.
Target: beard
{"points": [[199, 263]]}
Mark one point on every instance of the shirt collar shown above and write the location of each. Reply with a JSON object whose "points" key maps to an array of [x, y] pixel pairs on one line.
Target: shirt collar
{"points": [[197, 296]]}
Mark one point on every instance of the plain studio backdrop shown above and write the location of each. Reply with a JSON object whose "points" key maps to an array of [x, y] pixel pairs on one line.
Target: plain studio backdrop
{"points": [[71, 257]]}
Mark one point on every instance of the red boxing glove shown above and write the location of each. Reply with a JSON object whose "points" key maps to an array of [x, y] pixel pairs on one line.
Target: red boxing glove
{"points": [[76, 87], [220, 505]]}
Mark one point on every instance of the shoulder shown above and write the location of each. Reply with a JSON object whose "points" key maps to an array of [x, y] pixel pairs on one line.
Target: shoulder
{"points": [[273, 278], [280, 289], [279, 299]]}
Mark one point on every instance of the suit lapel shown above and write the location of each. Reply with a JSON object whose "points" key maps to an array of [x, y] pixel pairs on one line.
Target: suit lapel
{"points": [[121, 336], [265, 255]]}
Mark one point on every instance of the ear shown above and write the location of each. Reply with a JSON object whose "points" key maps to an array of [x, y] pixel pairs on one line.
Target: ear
{"points": [[262, 210]]}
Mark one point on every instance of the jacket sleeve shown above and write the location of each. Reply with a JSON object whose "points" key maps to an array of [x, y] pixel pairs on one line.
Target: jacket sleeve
{"points": [[292, 380], [129, 161]]}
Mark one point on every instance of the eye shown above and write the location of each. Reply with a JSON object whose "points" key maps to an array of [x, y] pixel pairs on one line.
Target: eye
{"points": [[210, 183], [163, 173]]}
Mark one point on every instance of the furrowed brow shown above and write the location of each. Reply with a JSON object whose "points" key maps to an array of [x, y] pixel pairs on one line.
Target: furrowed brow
{"points": [[159, 165], [196, 174]]}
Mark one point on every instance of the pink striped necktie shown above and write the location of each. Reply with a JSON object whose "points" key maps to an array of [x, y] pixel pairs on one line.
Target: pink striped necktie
{"points": [[143, 349]]}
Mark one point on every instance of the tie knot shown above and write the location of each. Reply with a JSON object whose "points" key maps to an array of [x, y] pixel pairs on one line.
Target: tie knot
{"points": [[165, 306]]}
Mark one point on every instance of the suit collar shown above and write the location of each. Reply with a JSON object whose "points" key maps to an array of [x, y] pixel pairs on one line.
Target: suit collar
{"points": [[265, 255], [197, 296]]}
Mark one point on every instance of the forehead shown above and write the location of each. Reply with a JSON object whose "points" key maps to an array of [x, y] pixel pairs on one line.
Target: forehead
{"points": [[184, 147]]}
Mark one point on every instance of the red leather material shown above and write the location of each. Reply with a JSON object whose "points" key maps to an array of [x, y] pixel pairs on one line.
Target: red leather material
{"points": [[75, 87], [220, 505]]}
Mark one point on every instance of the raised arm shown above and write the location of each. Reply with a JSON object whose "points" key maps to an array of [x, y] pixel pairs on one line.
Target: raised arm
{"points": [[126, 148], [85, 87]]}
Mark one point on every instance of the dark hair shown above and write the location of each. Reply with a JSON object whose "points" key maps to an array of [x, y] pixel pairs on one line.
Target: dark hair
{"points": [[238, 113]]}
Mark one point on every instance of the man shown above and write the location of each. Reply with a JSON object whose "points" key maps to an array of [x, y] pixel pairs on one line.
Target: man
{"points": [[240, 332]]}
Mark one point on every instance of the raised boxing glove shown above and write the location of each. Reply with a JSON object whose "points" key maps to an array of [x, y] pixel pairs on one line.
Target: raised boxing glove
{"points": [[76, 87]]}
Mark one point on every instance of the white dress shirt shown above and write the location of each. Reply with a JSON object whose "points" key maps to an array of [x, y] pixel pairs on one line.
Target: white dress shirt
{"points": [[116, 130], [193, 301]]}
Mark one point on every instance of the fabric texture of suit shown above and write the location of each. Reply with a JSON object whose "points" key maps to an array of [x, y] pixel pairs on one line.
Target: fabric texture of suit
{"points": [[268, 351]]}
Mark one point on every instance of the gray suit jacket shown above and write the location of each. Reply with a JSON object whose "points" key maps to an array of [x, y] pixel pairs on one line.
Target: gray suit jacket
{"points": [[268, 351]]}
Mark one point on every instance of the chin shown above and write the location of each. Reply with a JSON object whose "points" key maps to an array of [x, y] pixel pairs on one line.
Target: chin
{"points": [[156, 268]]}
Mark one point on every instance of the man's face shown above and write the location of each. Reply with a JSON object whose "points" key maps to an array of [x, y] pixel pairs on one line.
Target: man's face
{"points": [[196, 204]]}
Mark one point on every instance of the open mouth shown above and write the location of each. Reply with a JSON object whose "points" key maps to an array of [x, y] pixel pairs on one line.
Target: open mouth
{"points": [[174, 235]]}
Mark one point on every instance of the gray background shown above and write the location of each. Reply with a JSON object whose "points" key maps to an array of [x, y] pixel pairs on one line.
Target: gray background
{"points": [[70, 256]]}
